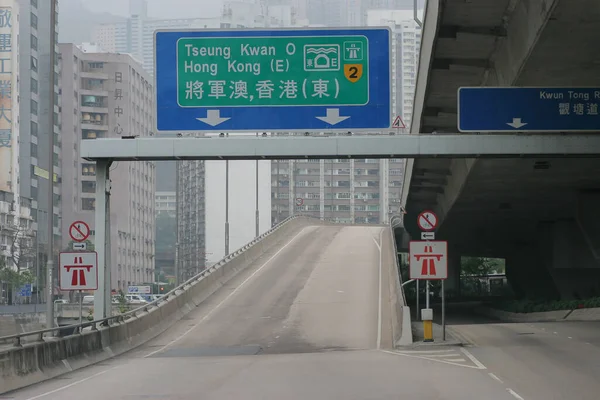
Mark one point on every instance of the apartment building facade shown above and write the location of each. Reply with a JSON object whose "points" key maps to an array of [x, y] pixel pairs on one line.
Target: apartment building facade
{"points": [[34, 46], [110, 95], [355, 191]]}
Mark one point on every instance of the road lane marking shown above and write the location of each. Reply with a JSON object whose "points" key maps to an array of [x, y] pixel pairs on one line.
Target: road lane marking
{"points": [[450, 361], [379, 296], [493, 376], [514, 394], [377, 244], [39, 396], [226, 298], [472, 358]]}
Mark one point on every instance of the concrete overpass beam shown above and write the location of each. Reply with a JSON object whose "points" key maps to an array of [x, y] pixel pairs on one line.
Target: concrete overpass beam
{"points": [[460, 169], [526, 21]]}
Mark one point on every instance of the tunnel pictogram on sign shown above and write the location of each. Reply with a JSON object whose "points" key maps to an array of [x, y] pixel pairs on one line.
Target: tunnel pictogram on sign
{"points": [[78, 271], [428, 259]]}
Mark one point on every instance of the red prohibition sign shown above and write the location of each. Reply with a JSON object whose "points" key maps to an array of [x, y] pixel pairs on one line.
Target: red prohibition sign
{"points": [[427, 221], [79, 231]]}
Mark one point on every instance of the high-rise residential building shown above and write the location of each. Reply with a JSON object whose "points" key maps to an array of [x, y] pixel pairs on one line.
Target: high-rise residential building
{"points": [[166, 202], [347, 12], [16, 236], [406, 43], [35, 44], [135, 35], [356, 191], [191, 217], [107, 95]]}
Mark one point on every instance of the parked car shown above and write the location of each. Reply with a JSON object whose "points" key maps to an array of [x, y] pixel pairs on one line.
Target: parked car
{"points": [[135, 299]]}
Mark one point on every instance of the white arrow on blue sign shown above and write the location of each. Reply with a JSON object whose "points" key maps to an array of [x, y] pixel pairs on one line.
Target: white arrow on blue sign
{"points": [[528, 109]]}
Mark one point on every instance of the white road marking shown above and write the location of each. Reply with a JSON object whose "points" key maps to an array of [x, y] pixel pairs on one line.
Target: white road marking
{"points": [[377, 244], [430, 351], [514, 394], [472, 358], [39, 396], [495, 377], [570, 337], [237, 289], [424, 357], [379, 296]]}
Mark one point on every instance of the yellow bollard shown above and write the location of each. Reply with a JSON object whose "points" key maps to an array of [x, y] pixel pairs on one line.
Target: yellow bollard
{"points": [[427, 317], [428, 331]]}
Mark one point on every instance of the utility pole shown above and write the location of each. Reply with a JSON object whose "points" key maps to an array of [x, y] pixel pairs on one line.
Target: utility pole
{"points": [[50, 261]]}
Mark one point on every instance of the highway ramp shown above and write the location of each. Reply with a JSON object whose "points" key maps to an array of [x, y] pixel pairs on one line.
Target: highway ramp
{"points": [[304, 321]]}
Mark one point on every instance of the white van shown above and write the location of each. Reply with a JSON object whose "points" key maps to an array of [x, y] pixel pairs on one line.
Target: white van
{"points": [[135, 299]]}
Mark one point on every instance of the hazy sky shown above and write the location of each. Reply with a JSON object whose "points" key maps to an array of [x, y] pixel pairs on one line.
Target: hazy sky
{"points": [[161, 8]]}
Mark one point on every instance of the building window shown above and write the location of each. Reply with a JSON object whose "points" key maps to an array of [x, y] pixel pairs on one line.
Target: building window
{"points": [[34, 21], [34, 128], [34, 107], [88, 204], [34, 64], [34, 3], [88, 186], [34, 86], [88, 169], [34, 42]]}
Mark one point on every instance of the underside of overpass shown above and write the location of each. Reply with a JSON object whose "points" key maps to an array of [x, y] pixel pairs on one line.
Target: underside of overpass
{"points": [[537, 213]]}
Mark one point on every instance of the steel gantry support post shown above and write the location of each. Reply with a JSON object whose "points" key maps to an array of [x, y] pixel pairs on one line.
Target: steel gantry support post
{"points": [[102, 298]]}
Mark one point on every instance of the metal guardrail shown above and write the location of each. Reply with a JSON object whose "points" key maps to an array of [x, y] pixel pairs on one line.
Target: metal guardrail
{"points": [[146, 308], [396, 221]]}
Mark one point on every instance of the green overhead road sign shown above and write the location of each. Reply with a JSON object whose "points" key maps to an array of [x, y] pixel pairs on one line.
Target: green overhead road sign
{"points": [[273, 71]]}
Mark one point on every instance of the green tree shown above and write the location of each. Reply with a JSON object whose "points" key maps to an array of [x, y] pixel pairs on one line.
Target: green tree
{"points": [[478, 266], [14, 278]]}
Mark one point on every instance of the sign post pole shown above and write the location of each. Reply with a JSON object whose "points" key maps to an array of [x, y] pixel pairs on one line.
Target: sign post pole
{"points": [[418, 298], [443, 313], [80, 309]]}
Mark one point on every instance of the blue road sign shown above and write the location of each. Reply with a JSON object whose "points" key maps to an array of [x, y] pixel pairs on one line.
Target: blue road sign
{"points": [[531, 109], [253, 80], [25, 291]]}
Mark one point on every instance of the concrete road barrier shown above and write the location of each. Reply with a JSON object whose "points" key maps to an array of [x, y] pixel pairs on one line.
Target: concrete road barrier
{"points": [[401, 324], [45, 358]]}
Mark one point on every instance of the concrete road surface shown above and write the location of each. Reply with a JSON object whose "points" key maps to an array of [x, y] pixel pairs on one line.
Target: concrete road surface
{"points": [[308, 321], [549, 360]]}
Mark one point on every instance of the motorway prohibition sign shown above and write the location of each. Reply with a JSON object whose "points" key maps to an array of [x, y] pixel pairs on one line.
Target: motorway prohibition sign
{"points": [[427, 221], [78, 270], [79, 231], [428, 260]]}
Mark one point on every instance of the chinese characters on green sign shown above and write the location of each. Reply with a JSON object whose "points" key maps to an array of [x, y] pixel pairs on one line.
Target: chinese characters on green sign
{"points": [[272, 71]]}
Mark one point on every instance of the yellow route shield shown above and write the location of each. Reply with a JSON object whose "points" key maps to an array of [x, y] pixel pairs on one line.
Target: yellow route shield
{"points": [[353, 72]]}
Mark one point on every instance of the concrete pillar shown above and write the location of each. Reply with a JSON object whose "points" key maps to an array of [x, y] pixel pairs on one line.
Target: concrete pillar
{"points": [[452, 284], [572, 265]]}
